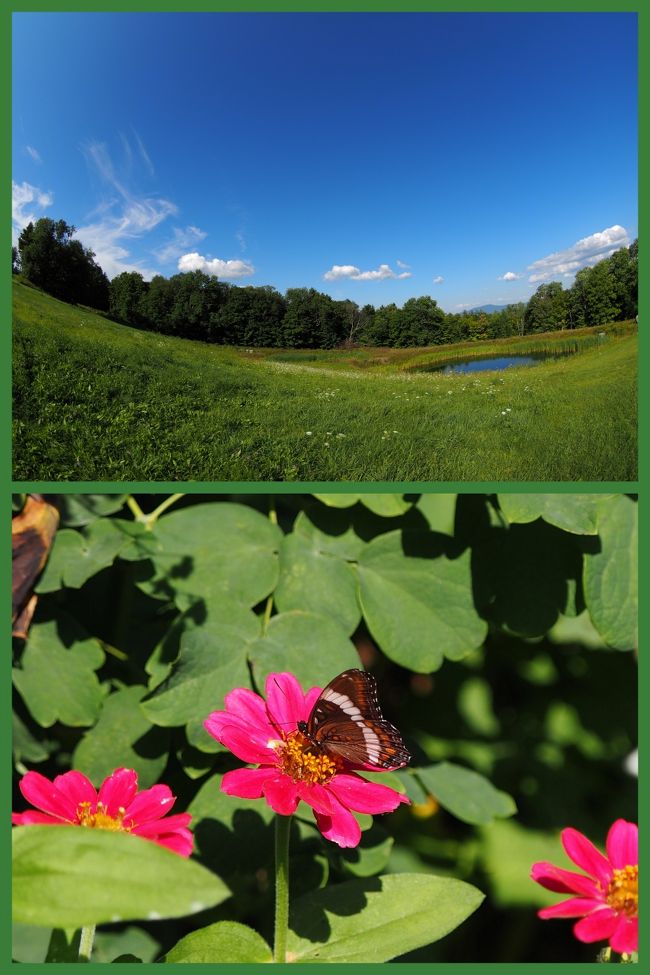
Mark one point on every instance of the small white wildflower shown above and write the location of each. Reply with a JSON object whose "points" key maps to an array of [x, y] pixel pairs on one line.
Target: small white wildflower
{"points": [[308, 433]]}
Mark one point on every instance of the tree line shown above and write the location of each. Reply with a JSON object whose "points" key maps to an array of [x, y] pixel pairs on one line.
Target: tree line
{"points": [[197, 306]]}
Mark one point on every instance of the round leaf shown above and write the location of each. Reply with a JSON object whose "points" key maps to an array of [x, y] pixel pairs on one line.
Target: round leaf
{"points": [[69, 877], [419, 609], [312, 647], [223, 942], [377, 919], [466, 794], [611, 574]]}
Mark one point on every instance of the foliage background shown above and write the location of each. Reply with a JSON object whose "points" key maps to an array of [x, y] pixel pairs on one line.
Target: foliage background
{"points": [[499, 629]]}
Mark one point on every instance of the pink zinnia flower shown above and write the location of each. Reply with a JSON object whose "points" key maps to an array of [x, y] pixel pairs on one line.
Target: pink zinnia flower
{"points": [[72, 800], [607, 898], [266, 734]]}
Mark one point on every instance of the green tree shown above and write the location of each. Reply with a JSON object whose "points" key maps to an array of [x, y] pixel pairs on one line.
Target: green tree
{"points": [[53, 261], [420, 322], [547, 309], [126, 298]]}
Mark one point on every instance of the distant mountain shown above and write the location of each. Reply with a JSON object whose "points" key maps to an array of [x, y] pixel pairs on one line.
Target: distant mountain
{"points": [[488, 308]]}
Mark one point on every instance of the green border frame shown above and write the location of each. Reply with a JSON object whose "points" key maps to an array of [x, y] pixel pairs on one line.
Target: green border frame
{"points": [[303, 6]]}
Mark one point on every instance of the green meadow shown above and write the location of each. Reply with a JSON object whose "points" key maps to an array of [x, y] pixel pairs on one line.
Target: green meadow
{"points": [[95, 400]]}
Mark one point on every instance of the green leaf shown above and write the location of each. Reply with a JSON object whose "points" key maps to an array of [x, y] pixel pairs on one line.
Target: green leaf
{"points": [[576, 513], [81, 509], [440, 511], [57, 679], [312, 647], [369, 857], [123, 738], [64, 946], [377, 919], [78, 555], [222, 943], [68, 877], [312, 579], [611, 574], [418, 607], [465, 794], [527, 576], [210, 664], [26, 747], [208, 550], [508, 851], [385, 505]]}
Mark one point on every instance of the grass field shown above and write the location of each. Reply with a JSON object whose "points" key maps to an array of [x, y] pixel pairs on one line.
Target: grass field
{"points": [[94, 400]]}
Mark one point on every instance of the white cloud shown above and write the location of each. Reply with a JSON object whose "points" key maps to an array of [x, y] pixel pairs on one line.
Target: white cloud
{"points": [[438, 279], [182, 239], [584, 253], [509, 276], [352, 273], [34, 153], [215, 266], [124, 217], [143, 153], [27, 204], [402, 265]]}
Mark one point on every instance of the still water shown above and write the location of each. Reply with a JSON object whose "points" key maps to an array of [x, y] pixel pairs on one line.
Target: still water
{"points": [[482, 365]]}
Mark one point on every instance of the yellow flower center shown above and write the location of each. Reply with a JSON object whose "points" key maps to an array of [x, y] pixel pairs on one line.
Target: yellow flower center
{"points": [[100, 819], [623, 891], [298, 761]]}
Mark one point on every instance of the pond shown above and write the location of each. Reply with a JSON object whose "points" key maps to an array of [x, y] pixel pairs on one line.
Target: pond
{"points": [[482, 365]]}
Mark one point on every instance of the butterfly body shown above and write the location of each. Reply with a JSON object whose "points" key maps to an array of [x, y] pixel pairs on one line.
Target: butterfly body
{"points": [[346, 724]]}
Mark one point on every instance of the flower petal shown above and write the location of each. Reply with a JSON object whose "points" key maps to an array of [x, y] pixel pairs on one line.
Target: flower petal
{"points": [[32, 818], [150, 805], [363, 796], [45, 795], [118, 790], [281, 794], [583, 853], [247, 783], [167, 825], [243, 740], [180, 842], [623, 844], [251, 708], [342, 828], [285, 701], [76, 787], [626, 936], [597, 926], [573, 907], [565, 881]]}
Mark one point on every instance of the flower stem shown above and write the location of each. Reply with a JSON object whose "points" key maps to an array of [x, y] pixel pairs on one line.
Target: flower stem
{"points": [[86, 942], [282, 828]]}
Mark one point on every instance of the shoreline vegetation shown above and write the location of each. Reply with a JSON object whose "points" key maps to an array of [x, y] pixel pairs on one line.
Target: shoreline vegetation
{"points": [[98, 400]]}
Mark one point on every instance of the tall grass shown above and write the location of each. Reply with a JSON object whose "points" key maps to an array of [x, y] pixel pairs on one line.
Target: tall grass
{"points": [[94, 400]]}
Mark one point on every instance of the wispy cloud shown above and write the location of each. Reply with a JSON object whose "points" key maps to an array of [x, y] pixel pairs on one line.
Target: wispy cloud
{"points": [[27, 205], [223, 269], [143, 152], [584, 253], [348, 271], [402, 265], [438, 279], [509, 276], [34, 153], [125, 216], [182, 239]]}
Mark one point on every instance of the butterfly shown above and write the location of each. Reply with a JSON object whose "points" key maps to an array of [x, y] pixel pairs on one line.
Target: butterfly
{"points": [[345, 722]]}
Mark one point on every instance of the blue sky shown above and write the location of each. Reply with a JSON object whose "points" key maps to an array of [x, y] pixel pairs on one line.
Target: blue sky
{"points": [[376, 157]]}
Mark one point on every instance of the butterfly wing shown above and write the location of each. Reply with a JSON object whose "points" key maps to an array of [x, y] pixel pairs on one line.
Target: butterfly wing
{"points": [[346, 721]]}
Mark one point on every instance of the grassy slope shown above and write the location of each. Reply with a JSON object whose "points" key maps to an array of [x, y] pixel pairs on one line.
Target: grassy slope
{"points": [[99, 401]]}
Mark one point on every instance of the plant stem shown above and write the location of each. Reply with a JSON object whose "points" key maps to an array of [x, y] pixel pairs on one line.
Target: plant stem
{"points": [[135, 508], [268, 609], [282, 828], [154, 515], [86, 942]]}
